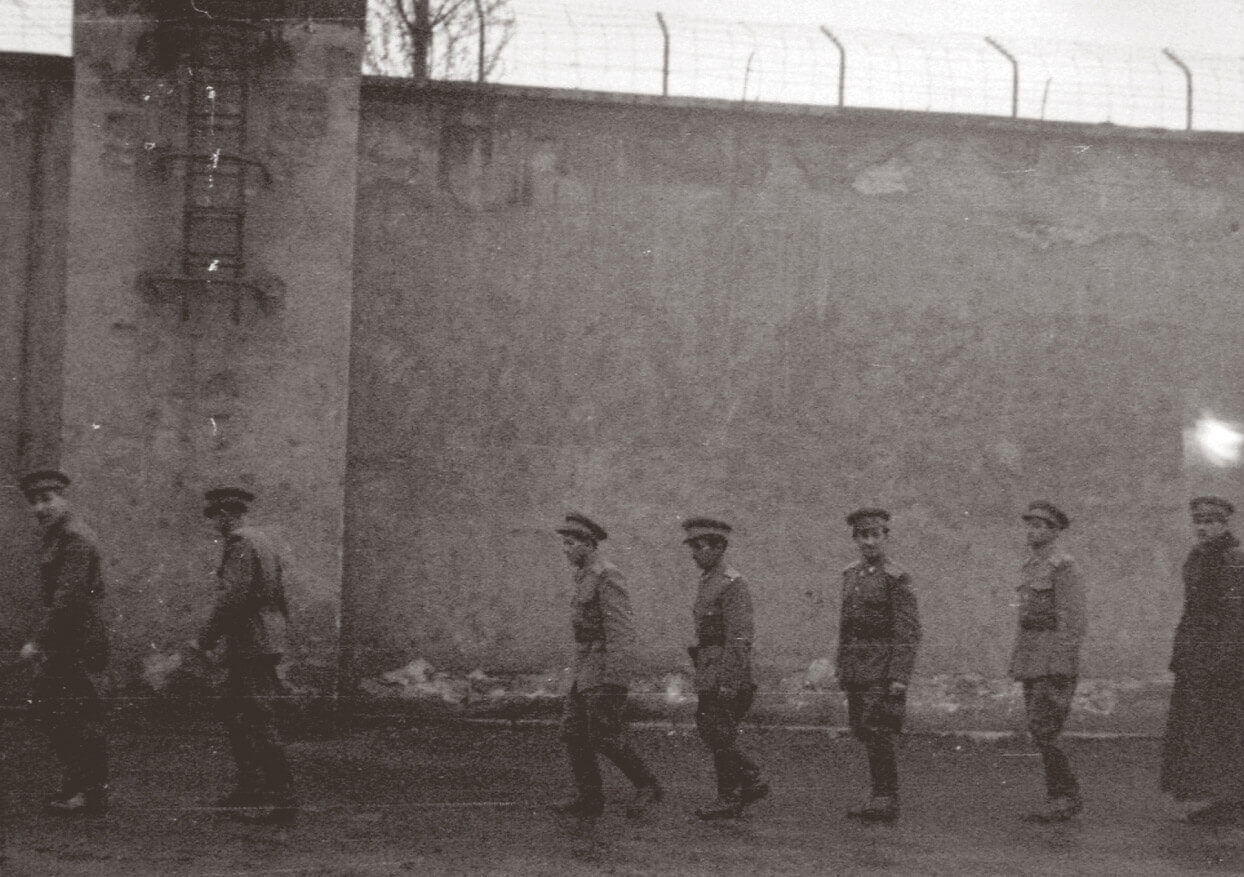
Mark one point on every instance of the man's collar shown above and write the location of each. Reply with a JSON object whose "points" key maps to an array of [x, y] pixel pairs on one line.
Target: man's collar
{"points": [[1218, 543], [705, 573], [1043, 552], [58, 526]]}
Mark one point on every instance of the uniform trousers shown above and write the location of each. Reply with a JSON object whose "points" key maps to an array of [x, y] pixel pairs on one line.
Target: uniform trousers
{"points": [[69, 711], [1047, 701], [875, 715], [252, 691], [593, 723], [717, 719]]}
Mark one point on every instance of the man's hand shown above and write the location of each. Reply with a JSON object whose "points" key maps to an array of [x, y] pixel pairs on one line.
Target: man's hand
{"points": [[31, 652], [194, 658], [897, 688]]}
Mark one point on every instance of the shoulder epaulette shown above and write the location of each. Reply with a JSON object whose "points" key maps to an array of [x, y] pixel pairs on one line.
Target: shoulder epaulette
{"points": [[855, 564], [894, 569], [732, 574]]}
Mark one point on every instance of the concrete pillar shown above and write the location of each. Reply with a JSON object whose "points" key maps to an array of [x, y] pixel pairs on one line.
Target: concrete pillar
{"points": [[182, 371], [35, 95]]}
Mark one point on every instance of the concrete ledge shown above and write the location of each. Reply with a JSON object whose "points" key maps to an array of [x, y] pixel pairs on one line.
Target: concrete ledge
{"points": [[403, 89], [966, 704], [939, 704]]}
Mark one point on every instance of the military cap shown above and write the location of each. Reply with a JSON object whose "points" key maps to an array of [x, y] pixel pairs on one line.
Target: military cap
{"points": [[43, 479], [1043, 510], [582, 527], [699, 527], [236, 499], [1211, 507], [867, 517]]}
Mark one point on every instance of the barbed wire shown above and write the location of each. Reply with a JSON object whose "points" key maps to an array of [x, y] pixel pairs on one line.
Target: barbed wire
{"points": [[653, 53]]}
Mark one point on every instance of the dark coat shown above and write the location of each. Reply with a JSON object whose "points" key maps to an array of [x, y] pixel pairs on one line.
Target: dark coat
{"points": [[880, 625], [1203, 749], [1209, 641], [251, 613], [71, 584]]}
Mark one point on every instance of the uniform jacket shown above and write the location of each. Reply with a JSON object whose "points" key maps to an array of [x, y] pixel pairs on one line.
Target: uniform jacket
{"points": [[251, 614], [724, 631], [1051, 617], [604, 636], [72, 586], [880, 625], [1209, 641]]}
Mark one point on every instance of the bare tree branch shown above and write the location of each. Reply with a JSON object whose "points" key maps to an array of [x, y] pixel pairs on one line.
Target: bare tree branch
{"points": [[426, 39]]}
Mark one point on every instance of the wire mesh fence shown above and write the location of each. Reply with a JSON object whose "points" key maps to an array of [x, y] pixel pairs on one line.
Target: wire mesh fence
{"points": [[652, 52]]}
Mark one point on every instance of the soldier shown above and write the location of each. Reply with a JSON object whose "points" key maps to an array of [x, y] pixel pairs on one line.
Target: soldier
{"points": [[722, 657], [250, 617], [70, 644], [593, 720], [1047, 651], [877, 640], [1203, 749]]}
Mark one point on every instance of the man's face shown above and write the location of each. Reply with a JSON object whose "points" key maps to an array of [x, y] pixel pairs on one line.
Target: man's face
{"points": [[225, 521], [1039, 532], [49, 506], [871, 542], [705, 552], [576, 550], [1208, 527]]}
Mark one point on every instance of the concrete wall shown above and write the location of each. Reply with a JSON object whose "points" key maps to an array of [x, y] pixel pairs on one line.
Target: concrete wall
{"points": [[641, 311], [649, 312], [167, 394], [35, 96]]}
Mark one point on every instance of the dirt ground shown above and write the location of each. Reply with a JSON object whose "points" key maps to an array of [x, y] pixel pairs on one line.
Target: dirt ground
{"points": [[393, 797]]}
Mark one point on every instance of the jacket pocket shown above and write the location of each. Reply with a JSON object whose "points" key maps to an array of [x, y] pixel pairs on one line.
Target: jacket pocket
{"points": [[1038, 612], [710, 630], [869, 618]]}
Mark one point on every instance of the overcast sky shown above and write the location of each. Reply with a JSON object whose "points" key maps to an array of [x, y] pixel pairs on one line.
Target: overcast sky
{"points": [[1093, 60], [1211, 26]]}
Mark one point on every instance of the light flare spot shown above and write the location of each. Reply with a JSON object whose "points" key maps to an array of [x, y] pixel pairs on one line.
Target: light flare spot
{"points": [[1215, 441]]}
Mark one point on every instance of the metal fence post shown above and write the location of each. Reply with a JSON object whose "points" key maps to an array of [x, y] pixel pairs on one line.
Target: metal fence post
{"points": [[842, 65], [665, 60], [479, 13], [1187, 79], [1014, 75], [747, 69]]}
